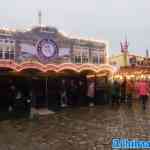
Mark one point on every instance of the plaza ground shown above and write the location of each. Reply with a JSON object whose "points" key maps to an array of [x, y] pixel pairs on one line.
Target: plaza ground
{"points": [[86, 128]]}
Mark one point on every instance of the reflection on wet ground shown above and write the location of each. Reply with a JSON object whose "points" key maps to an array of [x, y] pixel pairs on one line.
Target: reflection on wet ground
{"points": [[83, 128]]}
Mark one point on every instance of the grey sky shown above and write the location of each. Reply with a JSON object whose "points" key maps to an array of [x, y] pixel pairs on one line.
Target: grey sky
{"points": [[102, 19]]}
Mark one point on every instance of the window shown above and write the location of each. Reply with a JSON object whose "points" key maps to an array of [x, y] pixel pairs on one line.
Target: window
{"points": [[102, 59], [78, 59], [77, 55], [95, 60], [95, 57], [85, 59], [6, 41], [6, 54], [85, 55], [7, 48], [12, 55], [12, 48], [1, 53], [81, 55]]}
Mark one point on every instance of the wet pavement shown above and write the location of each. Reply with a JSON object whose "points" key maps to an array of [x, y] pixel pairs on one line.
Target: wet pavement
{"points": [[86, 128]]}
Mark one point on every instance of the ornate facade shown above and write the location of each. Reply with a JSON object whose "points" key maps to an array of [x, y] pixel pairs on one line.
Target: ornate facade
{"points": [[46, 45]]}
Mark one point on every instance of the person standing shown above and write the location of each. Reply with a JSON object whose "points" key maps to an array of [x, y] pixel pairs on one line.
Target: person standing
{"points": [[91, 93], [143, 91], [63, 94], [74, 93], [130, 88], [108, 91], [123, 90], [81, 93], [115, 92], [12, 97]]}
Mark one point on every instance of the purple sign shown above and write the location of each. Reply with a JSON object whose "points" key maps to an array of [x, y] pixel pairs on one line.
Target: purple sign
{"points": [[47, 49]]}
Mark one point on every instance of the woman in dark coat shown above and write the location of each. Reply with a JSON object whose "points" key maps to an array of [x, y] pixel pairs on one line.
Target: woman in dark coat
{"points": [[115, 94], [81, 93]]}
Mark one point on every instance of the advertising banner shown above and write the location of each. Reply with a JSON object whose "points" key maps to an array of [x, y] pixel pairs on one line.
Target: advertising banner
{"points": [[45, 51]]}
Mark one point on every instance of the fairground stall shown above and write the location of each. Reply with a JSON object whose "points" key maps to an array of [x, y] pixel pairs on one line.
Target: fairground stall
{"points": [[137, 68], [36, 61]]}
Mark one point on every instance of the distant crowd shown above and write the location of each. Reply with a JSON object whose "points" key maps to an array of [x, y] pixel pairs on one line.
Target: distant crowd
{"points": [[75, 93], [128, 90], [125, 91]]}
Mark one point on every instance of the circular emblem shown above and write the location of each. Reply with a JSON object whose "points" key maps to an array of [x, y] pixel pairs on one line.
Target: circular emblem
{"points": [[47, 49]]}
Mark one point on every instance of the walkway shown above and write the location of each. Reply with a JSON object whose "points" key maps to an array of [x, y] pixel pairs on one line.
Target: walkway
{"points": [[77, 129]]}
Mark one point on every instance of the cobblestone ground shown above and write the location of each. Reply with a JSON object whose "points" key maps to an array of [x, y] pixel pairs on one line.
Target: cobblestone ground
{"points": [[77, 129]]}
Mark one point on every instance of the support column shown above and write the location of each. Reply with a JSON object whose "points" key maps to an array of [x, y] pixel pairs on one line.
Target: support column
{"points": [[46, 91]]}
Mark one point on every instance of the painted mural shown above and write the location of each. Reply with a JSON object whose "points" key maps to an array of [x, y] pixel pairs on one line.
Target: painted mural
{"points": [[46, 46], [45, 50]]}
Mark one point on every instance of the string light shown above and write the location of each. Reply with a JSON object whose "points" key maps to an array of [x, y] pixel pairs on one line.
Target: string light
{"points": [[44, 68]]}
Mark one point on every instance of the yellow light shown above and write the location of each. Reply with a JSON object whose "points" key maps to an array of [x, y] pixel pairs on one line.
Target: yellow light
{"points": [[128, 77], [142, 76], [90, 76], [121, 78]]}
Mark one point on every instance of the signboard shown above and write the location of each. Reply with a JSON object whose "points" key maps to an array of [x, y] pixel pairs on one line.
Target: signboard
{"points": [[45, 50]]}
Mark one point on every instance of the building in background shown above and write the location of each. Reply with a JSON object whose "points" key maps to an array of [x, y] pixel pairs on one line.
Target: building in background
{"points": [[38, 60], [132, 60], [48, 45], [135, 67]]}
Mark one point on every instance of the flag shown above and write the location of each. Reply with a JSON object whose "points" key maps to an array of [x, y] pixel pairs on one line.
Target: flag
{"points": [[122, 49], [126, 46]]}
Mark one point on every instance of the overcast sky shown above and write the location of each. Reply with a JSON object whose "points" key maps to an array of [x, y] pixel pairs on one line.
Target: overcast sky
{"points": [[107, 20]]}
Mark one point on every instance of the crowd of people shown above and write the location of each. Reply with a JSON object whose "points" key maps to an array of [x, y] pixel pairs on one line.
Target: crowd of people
{"points": [[76, 93], [125, 91], [14, 99], [128, 90]]}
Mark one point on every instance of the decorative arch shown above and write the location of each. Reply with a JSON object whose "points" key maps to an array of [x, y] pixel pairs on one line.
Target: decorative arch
{"points": [[67, 66], [8, 67], [104, 67], [70, 65], [88, 67], [51, 67], [56, 68], [31, 65], [8, 64]]}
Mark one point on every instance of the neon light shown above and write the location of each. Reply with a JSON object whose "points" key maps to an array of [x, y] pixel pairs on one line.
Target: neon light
{"points": [[67, 68], [56, 68]]}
